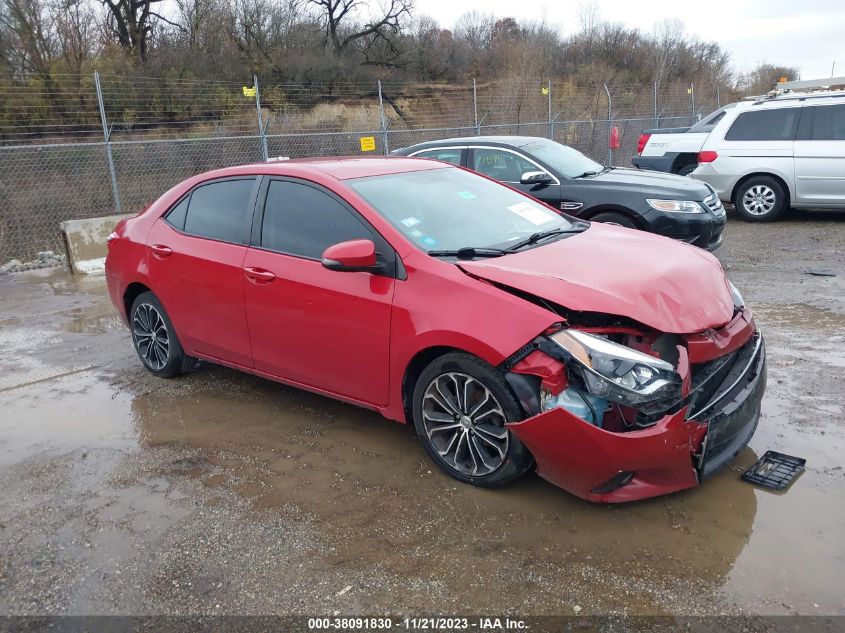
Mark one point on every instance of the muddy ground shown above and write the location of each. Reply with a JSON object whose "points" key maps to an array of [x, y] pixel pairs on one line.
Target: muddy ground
{"points": [[219, 492]]}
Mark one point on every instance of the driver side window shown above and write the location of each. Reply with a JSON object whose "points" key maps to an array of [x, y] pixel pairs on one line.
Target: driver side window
{"points": [[501, 165]]}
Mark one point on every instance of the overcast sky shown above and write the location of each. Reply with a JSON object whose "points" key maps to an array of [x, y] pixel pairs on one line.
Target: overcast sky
{"points": [[807, 34]]}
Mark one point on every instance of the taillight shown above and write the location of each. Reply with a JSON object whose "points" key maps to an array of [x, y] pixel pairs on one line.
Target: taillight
{"points": [[642, 142], [707, 156]]}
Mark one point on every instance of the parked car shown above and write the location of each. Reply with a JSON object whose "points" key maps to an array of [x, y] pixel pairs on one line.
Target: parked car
{"points": [[622, 364], [565, 179], [764, 155], [674, 150]]}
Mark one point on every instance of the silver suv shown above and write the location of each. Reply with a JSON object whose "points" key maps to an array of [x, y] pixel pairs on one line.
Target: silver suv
{"points": [[772, 153]]}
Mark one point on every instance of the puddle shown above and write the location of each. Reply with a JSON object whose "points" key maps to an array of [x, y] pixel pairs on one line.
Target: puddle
{"points": [[378, 502]]}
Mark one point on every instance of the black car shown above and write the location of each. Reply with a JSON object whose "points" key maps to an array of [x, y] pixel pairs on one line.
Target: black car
{"points": [[564, 178]]}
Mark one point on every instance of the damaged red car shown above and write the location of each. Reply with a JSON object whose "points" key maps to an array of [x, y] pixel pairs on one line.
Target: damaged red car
{"points": [[619, 364]]}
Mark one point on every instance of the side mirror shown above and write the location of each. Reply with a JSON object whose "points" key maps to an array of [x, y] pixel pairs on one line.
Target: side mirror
{"points": [[351, 256], [535, 178]]}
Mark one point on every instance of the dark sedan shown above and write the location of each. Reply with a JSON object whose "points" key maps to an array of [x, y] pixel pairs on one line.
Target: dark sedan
{"points": [[562, 177]]}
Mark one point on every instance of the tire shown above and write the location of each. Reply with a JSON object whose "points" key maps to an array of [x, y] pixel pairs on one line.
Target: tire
{"points": [[476, 448], [760, 199], [686, 170], [615, 218], [155, 338]]}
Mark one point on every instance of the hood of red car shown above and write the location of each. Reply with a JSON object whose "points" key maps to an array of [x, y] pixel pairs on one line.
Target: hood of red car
{"points": [[670, 286]]}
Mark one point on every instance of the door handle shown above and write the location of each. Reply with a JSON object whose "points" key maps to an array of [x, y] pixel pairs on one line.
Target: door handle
{"points": [[259, 275], [161, 251]]}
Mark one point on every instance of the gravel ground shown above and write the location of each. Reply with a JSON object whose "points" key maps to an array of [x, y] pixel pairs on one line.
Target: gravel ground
{"points": [[221, 493]]}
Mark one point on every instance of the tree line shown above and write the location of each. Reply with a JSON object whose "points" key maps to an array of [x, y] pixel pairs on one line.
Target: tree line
{"points": [[328, 41]]}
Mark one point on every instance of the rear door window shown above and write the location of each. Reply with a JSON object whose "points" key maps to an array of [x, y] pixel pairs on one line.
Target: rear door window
{"points": [[765, 125], [220, 210], [451, 156], [303, 220], [176, 215], [822, 123]]}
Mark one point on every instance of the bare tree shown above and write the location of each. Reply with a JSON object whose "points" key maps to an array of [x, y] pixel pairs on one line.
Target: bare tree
{"points": [[764, 77], [29, 29], [589, 18], [131, 23], [475, 29], [74, 23], [342, 29]]}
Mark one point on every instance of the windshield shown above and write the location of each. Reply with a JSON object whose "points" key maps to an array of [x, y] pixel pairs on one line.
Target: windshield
{"points": [[569, 162], [449, 208]]}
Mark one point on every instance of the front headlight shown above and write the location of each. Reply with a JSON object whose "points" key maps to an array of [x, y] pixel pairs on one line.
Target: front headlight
{"points": [[616, 372], [739, 302], [675, 206]]}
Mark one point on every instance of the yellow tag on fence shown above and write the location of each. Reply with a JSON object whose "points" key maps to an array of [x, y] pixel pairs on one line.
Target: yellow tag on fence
{"points": [[249, 92], [368, 144], [544, 90]]}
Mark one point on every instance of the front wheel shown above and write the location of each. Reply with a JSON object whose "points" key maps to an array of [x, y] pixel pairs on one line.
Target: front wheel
{"points": [[760, 199], [620, 219], [461, 406]]}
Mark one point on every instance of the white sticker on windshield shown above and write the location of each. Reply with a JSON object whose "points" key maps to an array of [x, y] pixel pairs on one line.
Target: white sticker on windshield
{"points": [[535, 215], [409, 222]]}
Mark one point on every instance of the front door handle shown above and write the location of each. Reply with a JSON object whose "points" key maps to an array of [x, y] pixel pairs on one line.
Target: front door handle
{"points": [[259, 275], [161, 251]]}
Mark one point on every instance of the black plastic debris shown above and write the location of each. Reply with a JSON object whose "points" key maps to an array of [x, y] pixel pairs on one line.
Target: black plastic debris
{"points": [[820, 273], [775, 470]]}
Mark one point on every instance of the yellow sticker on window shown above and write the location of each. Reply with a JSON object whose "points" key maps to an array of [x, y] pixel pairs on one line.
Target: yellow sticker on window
{"points": [[368, 144]]}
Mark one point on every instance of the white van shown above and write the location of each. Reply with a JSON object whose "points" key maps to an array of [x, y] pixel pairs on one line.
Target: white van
{"points": [[775, 152]]}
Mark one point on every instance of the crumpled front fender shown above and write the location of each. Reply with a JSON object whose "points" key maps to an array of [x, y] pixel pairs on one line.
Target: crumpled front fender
{"points": [[579, 457]]}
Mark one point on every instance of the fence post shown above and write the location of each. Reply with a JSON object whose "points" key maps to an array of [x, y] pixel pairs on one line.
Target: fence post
{"points": [[383, 121], [107, 139], [692, 100], [609, 126], [718, 98], [656, 114], [475, 108], [551, 120], [264, 154]]}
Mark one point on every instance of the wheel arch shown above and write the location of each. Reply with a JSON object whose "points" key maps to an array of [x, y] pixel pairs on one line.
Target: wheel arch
{"points": [[613, 208], [419, 361], [132, 291], [780, 179]]}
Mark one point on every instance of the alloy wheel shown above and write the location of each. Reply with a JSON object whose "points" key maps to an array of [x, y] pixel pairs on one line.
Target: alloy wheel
{"points": [[759, 200], [465, 424], [151, 337]]}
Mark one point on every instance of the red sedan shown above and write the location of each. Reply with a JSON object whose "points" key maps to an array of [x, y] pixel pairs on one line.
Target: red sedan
{"points": [[622, 365]]}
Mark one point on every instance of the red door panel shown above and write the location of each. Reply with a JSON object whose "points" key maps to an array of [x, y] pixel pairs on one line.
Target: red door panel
{"points": [[325, 329], [200, 282]]}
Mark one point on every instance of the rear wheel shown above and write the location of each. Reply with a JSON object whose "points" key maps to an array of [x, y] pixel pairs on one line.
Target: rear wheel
{"points": [[614, 218], [155, 339], [461, 407], [686, 170], [760, 199]]}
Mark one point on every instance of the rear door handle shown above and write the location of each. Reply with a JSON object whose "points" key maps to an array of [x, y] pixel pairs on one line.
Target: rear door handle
{"points": [[161, 251], [259, 275]]}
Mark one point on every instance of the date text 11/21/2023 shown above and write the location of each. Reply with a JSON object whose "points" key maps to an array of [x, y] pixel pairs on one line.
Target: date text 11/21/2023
{"points": [[427, 623]]}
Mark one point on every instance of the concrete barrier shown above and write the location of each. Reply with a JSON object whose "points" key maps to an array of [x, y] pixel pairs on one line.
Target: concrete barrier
{"points": [[85, 242]]}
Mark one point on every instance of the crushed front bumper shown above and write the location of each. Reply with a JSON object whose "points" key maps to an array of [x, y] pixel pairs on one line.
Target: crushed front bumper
{"points": [[678, 452]]}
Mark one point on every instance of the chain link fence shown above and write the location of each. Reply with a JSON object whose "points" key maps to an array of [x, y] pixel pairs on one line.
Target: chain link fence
{"points": [[77, 146]]}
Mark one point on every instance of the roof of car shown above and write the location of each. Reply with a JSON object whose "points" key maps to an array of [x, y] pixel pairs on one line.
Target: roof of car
{"points": [[337, 168], [516, 141]]}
